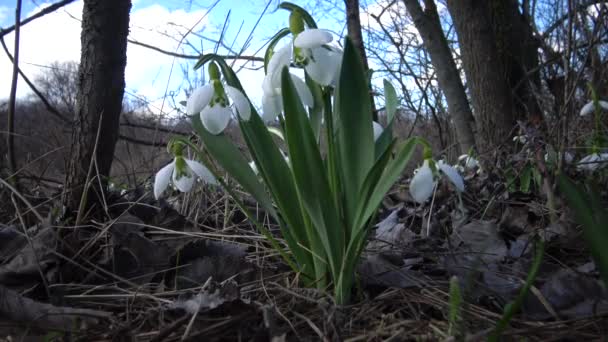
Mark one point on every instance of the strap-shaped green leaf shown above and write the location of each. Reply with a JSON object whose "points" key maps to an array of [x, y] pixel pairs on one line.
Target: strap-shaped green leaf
{"points": [[392, 173], [390, 101], [310, 175], [353, 113], [272, 44], [231, 159]]}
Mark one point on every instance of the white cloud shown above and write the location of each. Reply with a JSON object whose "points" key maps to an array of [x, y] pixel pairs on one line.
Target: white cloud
{"points": [[56, 37], [4, 11]]}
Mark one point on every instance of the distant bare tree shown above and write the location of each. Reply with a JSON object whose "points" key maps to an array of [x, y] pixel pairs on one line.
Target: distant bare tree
{"points": [[59, 84]]}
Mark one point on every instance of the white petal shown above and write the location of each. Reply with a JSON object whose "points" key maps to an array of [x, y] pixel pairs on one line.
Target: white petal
{"points": [[201, 171], [589, 163], [312, 38], [240, 102], [272, 106], [377, 130], [590, 107], [162, 178], [303, 91], [325, 65], [452, 175], [216, 118], [568, 157], [199, 99], [253, 167], [279, 59], [422, 184], [184, 183]]}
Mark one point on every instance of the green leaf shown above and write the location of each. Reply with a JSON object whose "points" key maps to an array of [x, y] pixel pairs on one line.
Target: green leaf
{"points": [[392, 173], [390, 101], [593, 217], [309, 173], [316, 112], [353, 117], [525, 179], [231, 159], [272, 44]]}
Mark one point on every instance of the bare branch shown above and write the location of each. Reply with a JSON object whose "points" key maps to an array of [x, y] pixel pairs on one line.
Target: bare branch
{"points": [[179, 55], [45, 11], [10, 139]]}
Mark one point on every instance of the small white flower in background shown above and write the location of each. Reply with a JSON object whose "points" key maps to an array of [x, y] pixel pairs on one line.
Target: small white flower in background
{"points": [[520, 139], [423, 182], [211, 102], [378, 129], [550, 157], [182, 173], [593, 162], [590, 107], [469, 162]]}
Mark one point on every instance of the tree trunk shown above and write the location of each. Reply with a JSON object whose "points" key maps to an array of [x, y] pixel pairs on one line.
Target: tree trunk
{"points": [[105, 26], [485, 72], [518, 50], [429, 26], [353, 24]]}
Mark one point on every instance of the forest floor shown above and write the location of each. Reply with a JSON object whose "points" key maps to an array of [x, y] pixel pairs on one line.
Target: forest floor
{"points": [[193, 268]]}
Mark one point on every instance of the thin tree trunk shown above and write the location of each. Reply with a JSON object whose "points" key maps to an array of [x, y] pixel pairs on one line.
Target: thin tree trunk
{"points": [[485, 73], [353, 24], [429, 26], [105, 26]]}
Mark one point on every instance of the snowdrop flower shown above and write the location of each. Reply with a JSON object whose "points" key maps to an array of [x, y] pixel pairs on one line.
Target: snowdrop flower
{"points": [[272, 100], [520, 139], [590, 107], [550, 157], [423, 182], [470, 163], [593, 162], [181, 172], [212, 104], [377, 130], [309, 51]]}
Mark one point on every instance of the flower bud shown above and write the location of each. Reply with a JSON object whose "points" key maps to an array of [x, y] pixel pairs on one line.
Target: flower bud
{"points": [[214, 71]]}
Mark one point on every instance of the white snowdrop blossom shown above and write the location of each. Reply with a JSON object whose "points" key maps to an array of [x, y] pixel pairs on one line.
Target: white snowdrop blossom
{"points": [[423, 182], [272, 100], [550, 157], [520, 139], [593, 162], [212, 103], [469, 162], [590, 107], [377, 130], [182, 173], [321, 61]]}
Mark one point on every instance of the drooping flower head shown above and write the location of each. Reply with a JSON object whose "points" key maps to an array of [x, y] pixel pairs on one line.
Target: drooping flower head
{"points": [[212, 103], [181, 172], [309, 50], [425, 177]]}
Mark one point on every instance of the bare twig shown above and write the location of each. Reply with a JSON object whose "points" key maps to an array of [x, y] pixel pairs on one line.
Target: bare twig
{"points": [[10, 139], [185, 56], [45, 11]]}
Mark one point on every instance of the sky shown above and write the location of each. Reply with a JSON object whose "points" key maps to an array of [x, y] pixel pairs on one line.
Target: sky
{"points": [[151, 75]]}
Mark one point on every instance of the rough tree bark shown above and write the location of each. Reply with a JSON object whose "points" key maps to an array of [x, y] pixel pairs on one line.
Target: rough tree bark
{"points": [[105, 26], [428, 24], [353, 24], [518, 50], [485, 71]]}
